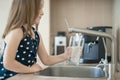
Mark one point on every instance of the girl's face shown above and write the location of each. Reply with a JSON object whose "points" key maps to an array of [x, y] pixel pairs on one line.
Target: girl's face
{"points": [[37, 20]]}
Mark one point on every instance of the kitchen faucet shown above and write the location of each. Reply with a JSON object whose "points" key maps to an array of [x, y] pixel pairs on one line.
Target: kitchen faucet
{"points": [[104, 62], [113, 66]]}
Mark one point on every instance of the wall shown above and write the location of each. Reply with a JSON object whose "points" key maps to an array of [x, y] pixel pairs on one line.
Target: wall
{"points": [[79, 13], [4, 11], [44, 27]]}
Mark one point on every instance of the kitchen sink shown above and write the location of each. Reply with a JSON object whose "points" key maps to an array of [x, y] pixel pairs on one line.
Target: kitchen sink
{"points": [[73, 71]]}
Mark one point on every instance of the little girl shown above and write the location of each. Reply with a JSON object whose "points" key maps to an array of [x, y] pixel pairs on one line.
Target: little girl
{"points": [[22, 42]]}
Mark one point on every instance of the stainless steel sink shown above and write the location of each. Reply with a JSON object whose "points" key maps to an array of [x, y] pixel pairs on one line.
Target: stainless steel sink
{"points": [[73, 71]]}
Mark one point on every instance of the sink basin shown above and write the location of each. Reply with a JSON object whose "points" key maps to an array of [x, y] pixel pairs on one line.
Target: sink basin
{"points": [[73, 71]]}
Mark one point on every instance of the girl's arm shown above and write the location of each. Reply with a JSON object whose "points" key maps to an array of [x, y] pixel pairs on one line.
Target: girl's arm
{"points": [[49, 59], [12, 42]]}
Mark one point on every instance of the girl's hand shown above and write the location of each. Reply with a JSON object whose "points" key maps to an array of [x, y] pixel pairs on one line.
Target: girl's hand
{"points": [[67, 53], [36, 67]]}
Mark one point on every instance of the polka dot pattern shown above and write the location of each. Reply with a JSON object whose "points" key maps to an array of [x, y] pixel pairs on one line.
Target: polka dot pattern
{"points": [[25, 54]]}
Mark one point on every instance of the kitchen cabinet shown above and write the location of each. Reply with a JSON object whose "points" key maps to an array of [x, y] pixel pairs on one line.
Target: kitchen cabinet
{"points": [[78, 13]]}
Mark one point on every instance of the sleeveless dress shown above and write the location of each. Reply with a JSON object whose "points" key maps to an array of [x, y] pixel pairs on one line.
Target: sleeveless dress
{"points": [[26, 54]]}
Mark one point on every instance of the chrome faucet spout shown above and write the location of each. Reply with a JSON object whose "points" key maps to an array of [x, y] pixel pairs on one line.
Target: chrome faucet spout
{"points": [[105, 35], [90, 32]]}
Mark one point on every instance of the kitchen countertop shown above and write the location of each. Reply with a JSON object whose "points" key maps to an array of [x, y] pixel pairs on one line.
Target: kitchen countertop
{"points": [[39, 77], [36, 77]]}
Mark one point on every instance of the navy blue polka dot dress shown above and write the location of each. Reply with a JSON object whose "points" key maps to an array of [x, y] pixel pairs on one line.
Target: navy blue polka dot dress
{"points": [[26, 54]]}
